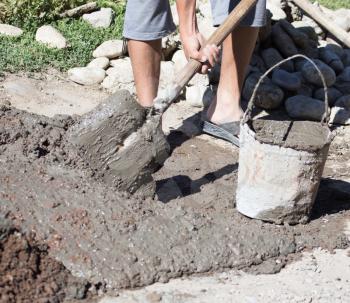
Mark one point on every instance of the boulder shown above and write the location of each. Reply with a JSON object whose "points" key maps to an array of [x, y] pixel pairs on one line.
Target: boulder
{"points": [[269, 95], [285, 80], [311, 75], [110, 49], [333, 95], [340, 115], [102, 18], [306, 28], [346, 57], [101, 62], [283, 41], [10, 30], [300, 39], [51, 37], [86, 75], [258, 62], [310, 22], [166, 74], [306, 108], [305, 90], [271, 57], [345, 75], [332, 59], [343, 101], [119, 76], [276, 11], [199, 95]]}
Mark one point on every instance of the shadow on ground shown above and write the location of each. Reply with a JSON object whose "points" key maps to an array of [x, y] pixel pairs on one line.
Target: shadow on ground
{"points": [[333, 197]]}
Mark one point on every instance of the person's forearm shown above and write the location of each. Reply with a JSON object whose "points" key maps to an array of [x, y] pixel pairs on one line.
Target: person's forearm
{"points": [[187, 16]]}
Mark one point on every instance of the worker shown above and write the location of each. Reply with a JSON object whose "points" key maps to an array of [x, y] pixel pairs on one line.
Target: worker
{"points": [[148, 21]]}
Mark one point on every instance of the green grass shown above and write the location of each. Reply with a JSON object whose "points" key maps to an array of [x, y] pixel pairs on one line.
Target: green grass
{"points": [[335, 4], [25, 54]]}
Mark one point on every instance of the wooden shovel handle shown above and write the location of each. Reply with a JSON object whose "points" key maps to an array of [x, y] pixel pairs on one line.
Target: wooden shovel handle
{"points": [[216, 38], [324, 21]]}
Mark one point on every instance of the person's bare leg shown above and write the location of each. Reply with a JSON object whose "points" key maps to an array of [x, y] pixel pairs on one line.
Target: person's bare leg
{"points": [[237, 51], [145, 59]]}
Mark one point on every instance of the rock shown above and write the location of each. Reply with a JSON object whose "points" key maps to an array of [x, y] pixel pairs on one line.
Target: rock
{"points": [[302, 107], [310, 22], [10, 30], [299, 63], [199, 95], [179, 60], [269, 96], [311, 52], [206, 27], [120, 76], [346, 57], [333, 95], [306, 28], [286, 80], [342, 18], [169, 46], [153, 297], [102, 18], [333, 47], [312, 76], [283, 41], [343, 101], [343, 81], [271, 56], [87, 75], [332, 59], [276, 11], [101, 62], [258, 62], [345, 75], [51, 37], [305, 90], [166, 74], [340, 115], [110, 49], [343, 86], [205, 10], [300, 39]]}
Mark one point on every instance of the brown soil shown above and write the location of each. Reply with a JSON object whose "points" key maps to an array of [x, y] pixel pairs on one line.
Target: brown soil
{"points": [[28, 274]]}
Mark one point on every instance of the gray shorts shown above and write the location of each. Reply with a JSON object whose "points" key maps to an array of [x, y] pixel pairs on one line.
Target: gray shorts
{"points": [[152, 19]]}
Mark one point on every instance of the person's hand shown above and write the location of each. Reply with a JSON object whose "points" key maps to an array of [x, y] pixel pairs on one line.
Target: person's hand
{"points": [[209, 55]]}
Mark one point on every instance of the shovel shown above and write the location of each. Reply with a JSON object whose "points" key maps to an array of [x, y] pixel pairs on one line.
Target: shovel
{"points": [[122, 142]]}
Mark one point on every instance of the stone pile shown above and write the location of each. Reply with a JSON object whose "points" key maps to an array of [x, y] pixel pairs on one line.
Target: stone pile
{"points": [[294, 85], [288, 32]]}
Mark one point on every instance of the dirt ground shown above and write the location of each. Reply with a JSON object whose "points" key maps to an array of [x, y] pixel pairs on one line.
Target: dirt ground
{"points": [[190, 228]]}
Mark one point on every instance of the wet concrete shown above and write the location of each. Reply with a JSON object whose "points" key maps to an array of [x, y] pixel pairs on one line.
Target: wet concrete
{"points": [[299, 135], [122, 241]]}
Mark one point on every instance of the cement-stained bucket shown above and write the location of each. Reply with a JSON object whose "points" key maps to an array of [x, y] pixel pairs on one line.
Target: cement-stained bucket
{"points": [[278, 182]]}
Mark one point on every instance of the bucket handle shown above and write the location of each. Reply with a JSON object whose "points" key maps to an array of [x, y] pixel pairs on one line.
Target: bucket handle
{"points": [[248, 113]]}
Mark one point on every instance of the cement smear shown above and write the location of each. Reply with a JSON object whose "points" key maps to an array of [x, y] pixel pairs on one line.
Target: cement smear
{"points": [[112, 238], [299, 135], [120, 144]]}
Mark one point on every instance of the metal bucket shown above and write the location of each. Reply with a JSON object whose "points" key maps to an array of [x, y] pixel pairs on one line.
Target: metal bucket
{"points": [[275, 183]]}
